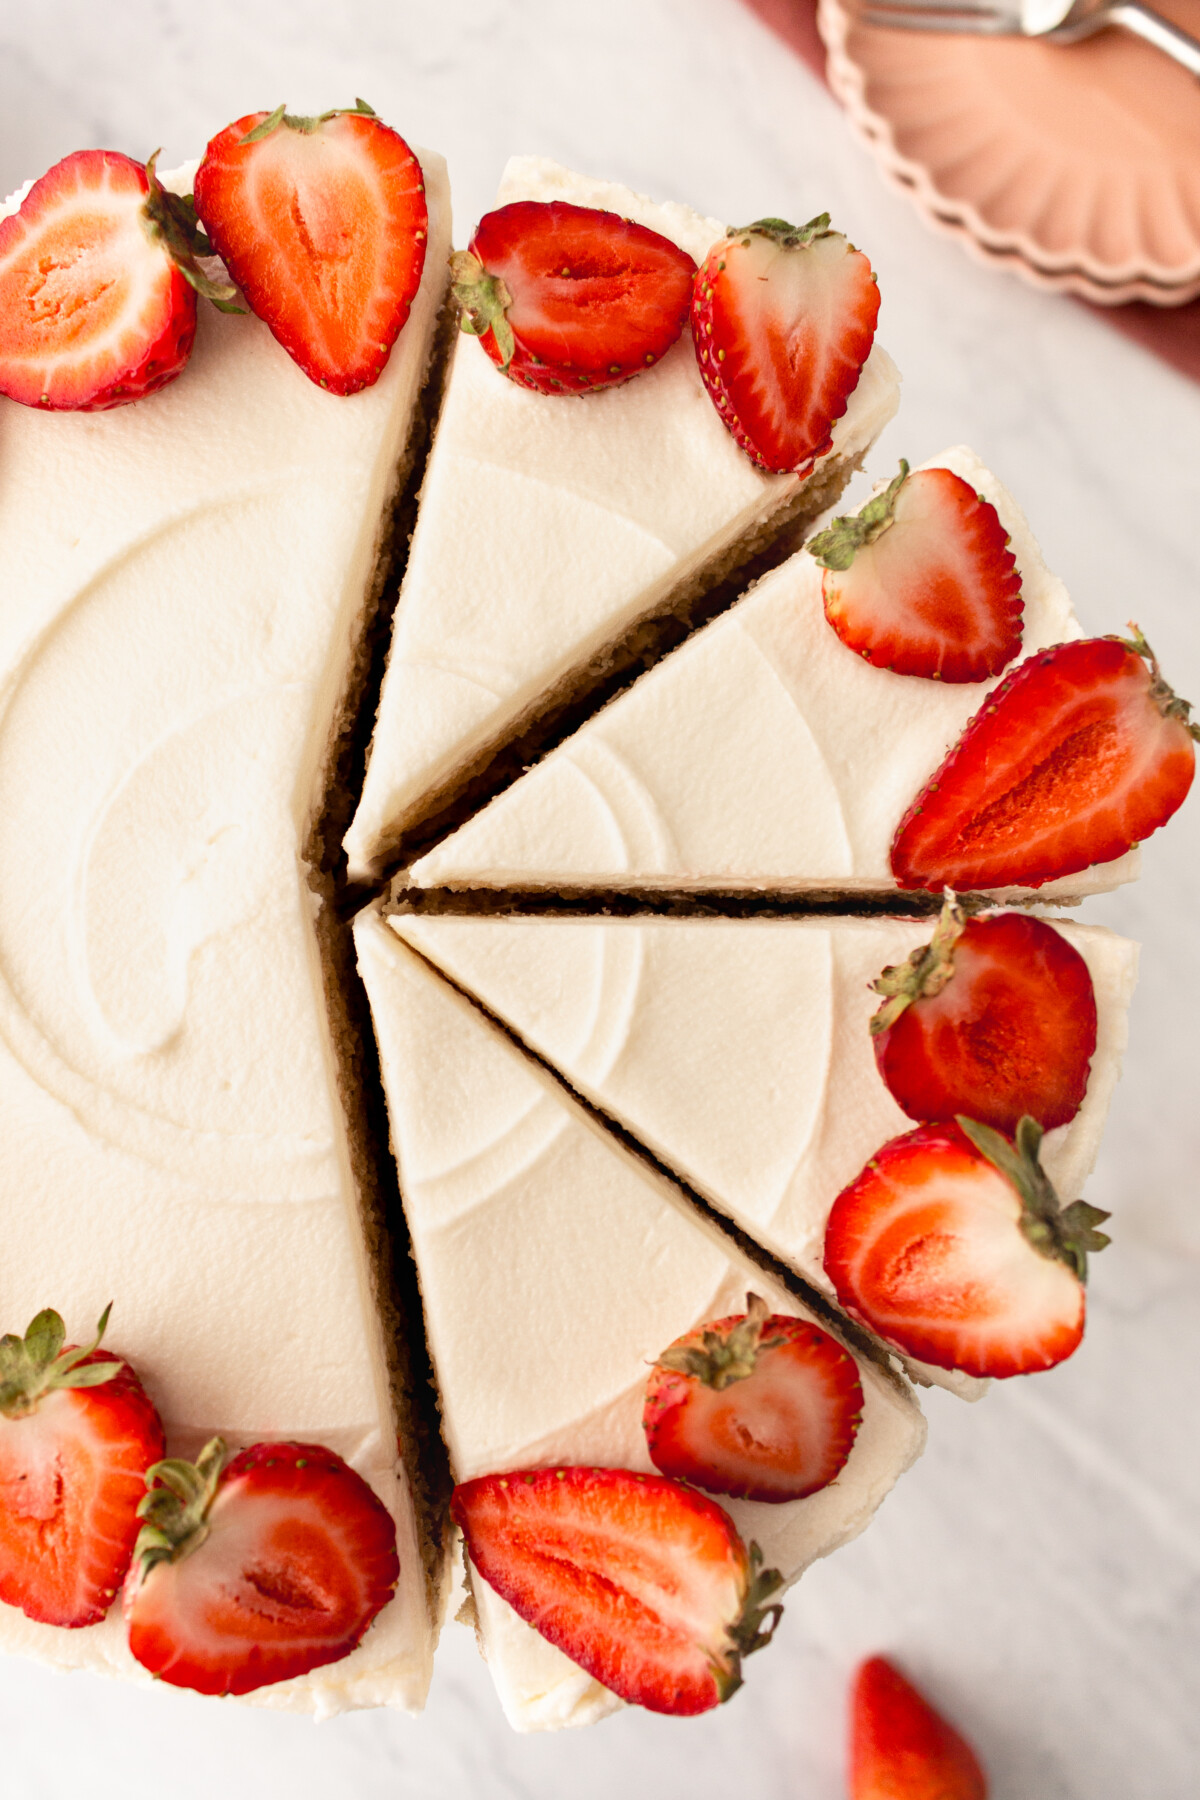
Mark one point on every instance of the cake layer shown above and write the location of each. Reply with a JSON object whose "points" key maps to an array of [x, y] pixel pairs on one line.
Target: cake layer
{"points": [[550, 526], [763, 754], [555, 1266], [185, 579], [739, 1053]]}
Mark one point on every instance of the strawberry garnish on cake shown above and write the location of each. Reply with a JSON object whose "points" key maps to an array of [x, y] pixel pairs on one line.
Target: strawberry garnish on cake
{"points": [[921, 580], [1079, 754], [994, 1017], [953, 1246], [782, 321], [900, 1747], [644, 1583], [322, 223], [256, 1570], [568, 298], [760, 1406], [77, 1434], [98, 285]]}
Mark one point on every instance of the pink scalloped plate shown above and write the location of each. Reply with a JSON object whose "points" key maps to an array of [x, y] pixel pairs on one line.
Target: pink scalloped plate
{"points": [[1077, 167]]}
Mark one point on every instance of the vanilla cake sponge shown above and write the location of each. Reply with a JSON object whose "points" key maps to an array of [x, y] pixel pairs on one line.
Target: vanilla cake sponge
{"points": [[739, 1052], [555, 1266], [761, 755], [186, 580], [550, 526]]}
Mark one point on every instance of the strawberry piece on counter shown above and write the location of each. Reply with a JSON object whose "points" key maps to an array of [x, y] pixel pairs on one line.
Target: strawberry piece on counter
{"points": [[921, 580], [1080, 753], [953, 1246], [255, 1571], [566, 298], [77, 1434], [900, 1748], [322, 223], [758, 1406], [783, 320], [644, 1583], [98, 283], [994, 1017]]}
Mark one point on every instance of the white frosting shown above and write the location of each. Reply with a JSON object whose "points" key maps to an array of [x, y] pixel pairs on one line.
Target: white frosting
{"points": [[549, 526], [554, 1267], [762, 754], [182, 580], [739, 1052]]}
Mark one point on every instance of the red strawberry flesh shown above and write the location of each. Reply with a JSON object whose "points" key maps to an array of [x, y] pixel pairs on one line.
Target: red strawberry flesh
{"points": [[1011, 1031], [593, 298], [325, 231], [926, 1248], [900, 1748], [642, 1582], [1080, 753], [93, 312], [298, 1558], [779, 1432]]}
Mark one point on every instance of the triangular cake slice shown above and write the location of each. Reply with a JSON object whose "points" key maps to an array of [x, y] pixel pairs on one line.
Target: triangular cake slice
{"points": [[739, 1051], [555, 1266], [762, 754], [550, 526], [186, 583]]}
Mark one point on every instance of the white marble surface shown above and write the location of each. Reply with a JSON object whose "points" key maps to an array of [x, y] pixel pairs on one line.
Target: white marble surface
{"points": [[1040, 1569]]}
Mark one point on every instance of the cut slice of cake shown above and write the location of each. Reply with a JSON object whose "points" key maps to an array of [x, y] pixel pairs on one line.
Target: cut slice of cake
{"points": [[555, 1267], [739, 1052], [762, 754], [550, 526], [187, 580]]}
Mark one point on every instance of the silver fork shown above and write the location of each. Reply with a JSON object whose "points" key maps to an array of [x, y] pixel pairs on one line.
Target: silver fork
{"points": [[1059, 21]]}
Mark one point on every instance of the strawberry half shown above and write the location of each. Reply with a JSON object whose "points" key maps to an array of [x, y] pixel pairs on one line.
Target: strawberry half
{"points": [[567, 298], [762, 1407], [77, 1434], [255, 1572], [643, 1583], [900, 1748], [994, 1018], [98, 285], [953, 1246], [921, 580], [1078, 755], [322, 223], [783, 320]]}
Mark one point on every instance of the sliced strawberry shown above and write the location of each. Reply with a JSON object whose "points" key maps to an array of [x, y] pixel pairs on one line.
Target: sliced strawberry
{"points": [[568, 298], [921, 580], [994, 1017], [77, 1434], [900, 1748], [256, 1572], [953, 1246], [783, 321], [1079, 754], [323, 225], [643, 1583], [95, 310], [760, 1407]]}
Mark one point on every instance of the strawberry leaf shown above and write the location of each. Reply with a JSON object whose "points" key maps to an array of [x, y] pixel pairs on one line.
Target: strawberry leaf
{"points": [[925, 971], [836, 547], [1064, 1235]]}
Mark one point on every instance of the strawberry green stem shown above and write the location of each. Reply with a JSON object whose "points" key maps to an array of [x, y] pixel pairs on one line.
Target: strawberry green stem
{"points": [[836, 547], [926, 970], [754, 1627], [300, 122], [176, 1505], [723, 1357], [483, 301], [1164, 696], [1064, 1234], [788, 237], [170, 220], [37, 1364]]}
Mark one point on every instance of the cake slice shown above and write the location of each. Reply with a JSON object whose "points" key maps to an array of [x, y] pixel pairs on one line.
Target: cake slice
{"points": [[187, 580], [551, 526], [739, 1052], [763, 754], [555, 1267]]}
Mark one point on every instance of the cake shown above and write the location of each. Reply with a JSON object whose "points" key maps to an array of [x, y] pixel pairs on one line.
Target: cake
{"points": [[763, 755], [550, 528], [554, 1267], [187, 584]]}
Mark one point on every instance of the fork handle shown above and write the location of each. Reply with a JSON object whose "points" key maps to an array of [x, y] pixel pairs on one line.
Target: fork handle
{"points": [[1157, 31]]}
